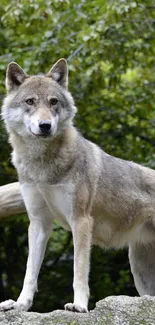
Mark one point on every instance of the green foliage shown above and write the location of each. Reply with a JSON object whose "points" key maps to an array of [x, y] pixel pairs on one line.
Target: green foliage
{"points": [[110, 47]]}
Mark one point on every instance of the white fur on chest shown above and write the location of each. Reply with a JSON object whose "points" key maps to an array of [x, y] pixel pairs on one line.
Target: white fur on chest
{"points": [[55, 200], [59, 199]]}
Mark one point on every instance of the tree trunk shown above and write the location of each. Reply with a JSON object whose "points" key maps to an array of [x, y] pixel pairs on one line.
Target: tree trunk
{"points": [[11, 201]]}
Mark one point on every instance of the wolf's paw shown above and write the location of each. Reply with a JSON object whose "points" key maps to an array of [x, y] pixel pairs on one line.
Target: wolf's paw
{"points": [[11, 304], [7, 304], [76, 308]]}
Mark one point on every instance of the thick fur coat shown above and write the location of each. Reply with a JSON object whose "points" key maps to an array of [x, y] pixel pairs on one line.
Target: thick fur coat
{"points": [[101, 199]]}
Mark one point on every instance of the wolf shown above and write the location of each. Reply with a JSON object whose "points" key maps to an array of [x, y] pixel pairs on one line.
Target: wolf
{"points": [[101, 199]]}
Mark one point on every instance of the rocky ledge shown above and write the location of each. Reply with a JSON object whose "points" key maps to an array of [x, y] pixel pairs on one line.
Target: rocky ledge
{"points": [[121, 310]]}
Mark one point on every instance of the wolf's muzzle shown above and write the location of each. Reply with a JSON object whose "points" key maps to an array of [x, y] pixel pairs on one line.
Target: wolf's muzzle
{"points": [[45, 127]]}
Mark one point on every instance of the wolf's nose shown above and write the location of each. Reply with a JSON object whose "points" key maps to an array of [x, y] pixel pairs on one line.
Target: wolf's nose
{"points": [[45, 126]]}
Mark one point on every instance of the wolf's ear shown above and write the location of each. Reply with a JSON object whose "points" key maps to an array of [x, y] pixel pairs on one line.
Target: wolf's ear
{"points": [[15, 76], [59, 73]]}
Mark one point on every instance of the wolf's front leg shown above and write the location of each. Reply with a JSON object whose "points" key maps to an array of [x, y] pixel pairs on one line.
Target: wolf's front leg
{"points": [[38, 237], [82, 236], [39, 232]]}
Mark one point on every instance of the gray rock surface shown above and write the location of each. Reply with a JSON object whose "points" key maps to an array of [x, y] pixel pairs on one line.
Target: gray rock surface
{"points": [[121, 310]]}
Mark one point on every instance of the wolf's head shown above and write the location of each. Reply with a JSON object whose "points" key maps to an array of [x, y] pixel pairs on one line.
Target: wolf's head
{"points": [[38, 106]]}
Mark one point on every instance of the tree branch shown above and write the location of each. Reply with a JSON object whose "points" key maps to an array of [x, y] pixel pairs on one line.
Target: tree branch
{"points": [[11, 201]]}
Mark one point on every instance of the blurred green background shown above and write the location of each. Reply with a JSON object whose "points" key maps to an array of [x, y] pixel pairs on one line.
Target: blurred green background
{"points": [[110, 48]]}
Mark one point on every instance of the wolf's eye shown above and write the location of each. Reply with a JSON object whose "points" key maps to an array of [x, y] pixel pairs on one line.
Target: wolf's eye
{"points": [[53, 101], [30, 101]]}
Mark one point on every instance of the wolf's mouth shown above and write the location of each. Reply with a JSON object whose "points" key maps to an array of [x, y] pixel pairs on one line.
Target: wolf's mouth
{"points": [[42, 135]]}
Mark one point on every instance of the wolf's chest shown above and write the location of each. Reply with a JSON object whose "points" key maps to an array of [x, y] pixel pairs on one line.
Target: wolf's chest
{"points": [[41, 170], [50, 201], [34, 171], [59, 199]]}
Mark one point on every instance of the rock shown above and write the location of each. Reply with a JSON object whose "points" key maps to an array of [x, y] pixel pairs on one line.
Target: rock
{"points": [[121, 310]]}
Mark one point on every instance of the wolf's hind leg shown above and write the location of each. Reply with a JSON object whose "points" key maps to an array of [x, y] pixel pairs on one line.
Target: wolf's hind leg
{"points": [[142, 261]]}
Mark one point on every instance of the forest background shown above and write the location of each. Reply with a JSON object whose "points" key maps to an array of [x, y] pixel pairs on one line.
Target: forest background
{"points": [[110, 48]]}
